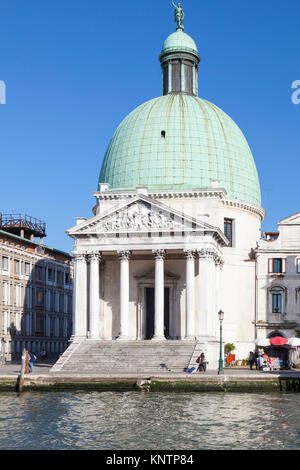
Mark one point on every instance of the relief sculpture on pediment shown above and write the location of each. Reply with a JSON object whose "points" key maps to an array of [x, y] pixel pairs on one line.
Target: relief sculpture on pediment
{"points": [[140, 218]]}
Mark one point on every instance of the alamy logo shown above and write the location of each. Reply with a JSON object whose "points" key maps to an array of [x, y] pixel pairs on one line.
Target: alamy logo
{"points": [[2, 92], [296, 94]]}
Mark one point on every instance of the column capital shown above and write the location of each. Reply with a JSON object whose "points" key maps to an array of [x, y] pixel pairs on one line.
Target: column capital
{"points": [[94, 256], [124, 255], [219, 261], [81, 257], [206, 253], [159, 254], [189, 254]]}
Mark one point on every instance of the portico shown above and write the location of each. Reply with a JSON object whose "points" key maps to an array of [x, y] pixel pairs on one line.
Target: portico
{"points": [[177, 257]]}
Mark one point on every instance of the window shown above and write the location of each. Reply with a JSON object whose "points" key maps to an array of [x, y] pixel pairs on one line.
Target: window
{"points": [[61, 302], [59, 277], [166, 79], [298, 265], [6, 293], [52, 301], [40, 324], [50, 274], [27, 269], [277, 265], [39, 297], [18, 295], [5, 263], [67, 278], [188, 77], [39, 273], [17, 267], [176, 76], [276, 303], [228, 230], [69, 308]]}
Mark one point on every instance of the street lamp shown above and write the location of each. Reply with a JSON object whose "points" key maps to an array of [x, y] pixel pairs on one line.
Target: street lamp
{"points": [[221, 318]]}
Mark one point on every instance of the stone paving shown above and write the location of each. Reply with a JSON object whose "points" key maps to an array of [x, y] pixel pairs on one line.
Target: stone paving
{"points": [[43, 368]]}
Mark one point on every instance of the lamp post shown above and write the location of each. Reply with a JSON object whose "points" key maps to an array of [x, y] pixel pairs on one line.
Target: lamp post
{"points": [[221, 318]]}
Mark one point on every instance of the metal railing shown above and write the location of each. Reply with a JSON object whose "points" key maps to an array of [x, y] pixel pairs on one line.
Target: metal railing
{"points": [[26, 222]]}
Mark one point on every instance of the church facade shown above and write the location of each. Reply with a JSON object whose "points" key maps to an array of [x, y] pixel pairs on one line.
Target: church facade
{"points": [[173, 237]]}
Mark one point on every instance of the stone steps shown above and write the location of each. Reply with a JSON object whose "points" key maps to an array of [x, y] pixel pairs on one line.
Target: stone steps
{"points": [[126, 356]]}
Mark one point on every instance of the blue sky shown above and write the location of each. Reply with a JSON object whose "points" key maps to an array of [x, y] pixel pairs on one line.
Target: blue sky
{"points": [[75, 68]]}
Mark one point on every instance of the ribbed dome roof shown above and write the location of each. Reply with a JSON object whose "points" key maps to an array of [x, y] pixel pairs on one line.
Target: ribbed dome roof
{"points": [[180, 141]]}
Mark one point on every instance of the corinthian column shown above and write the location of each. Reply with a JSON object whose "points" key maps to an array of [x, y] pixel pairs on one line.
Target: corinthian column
{"points": [[206, 291], [190, 294], [159, 303], [80, 296], [94, 259], [124, 293]]}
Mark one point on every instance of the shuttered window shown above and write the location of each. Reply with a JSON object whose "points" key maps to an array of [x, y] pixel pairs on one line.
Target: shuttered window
{"points": [[277, 265]]}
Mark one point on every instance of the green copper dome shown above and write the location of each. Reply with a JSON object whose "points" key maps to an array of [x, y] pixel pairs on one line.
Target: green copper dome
{"points": [[179, 141], [179, 41]]}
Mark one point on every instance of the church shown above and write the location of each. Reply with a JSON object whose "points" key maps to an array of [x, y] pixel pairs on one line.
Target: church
{"points": [[174, 233]]}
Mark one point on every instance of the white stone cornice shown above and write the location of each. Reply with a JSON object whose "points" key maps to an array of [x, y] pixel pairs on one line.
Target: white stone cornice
{"points": [[182, 194], [235, 203], [162, 194]]}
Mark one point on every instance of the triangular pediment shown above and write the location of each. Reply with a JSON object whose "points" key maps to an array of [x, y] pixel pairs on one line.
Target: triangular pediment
{"points": [[141, 214], [291, 220]]}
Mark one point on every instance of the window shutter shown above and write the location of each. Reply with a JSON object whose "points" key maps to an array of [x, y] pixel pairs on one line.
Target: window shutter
{"points": [[270, 265], [284, 265]]}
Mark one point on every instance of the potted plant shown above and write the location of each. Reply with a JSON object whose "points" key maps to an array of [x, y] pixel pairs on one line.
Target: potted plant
{"points": [[229, 347]]}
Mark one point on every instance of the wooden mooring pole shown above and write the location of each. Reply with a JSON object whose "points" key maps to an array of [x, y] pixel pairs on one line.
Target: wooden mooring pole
{"points": [[292, 384], [20, 381]]}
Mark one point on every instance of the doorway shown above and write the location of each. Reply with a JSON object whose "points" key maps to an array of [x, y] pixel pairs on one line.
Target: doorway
{"points": [[149, 325]]}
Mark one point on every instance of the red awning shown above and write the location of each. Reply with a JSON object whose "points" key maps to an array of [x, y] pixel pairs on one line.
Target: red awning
{"points": [[278, 341]]}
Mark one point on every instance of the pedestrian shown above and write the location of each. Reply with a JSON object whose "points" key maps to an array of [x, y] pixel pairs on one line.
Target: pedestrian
{"points": [[202, 363], [27, 360], [43, 354], [260, 362], [251, 359], [255, 359], [31, 361]]}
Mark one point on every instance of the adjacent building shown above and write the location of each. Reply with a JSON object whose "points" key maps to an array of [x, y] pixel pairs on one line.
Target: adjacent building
{"points": [[35, 289], [278, 280]]}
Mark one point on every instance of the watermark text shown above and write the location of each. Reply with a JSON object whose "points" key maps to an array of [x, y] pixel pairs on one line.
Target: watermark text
{"points": [[296, 94], [2, 92]]}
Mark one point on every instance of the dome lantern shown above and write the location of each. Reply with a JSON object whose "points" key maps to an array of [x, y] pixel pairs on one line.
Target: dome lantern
{"points": [[179, 60]]}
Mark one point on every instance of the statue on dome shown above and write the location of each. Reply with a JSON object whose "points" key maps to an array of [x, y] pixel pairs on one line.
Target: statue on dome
{"points": [[179, 15]]}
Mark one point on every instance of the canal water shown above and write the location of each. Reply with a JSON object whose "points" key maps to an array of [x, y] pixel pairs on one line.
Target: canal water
{"points": [[149, 421]]}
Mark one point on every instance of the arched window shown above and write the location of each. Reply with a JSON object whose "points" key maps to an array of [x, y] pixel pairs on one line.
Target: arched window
{"points": [[277, 299]]}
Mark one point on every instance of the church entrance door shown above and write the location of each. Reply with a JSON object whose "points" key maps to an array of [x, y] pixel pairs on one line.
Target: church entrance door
{"points": [[150, 312]]}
